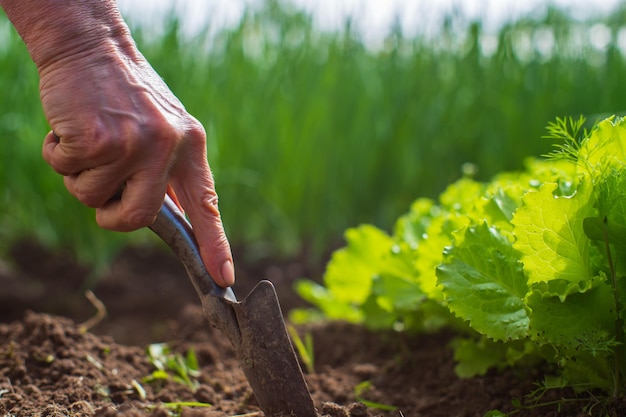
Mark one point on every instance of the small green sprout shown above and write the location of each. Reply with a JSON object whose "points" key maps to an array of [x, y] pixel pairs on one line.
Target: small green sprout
{"points": [[170, 365], [494, 413], [175, 409], [139, 389], [363, 387], [304, 348], [94, 362], [178, 405]]}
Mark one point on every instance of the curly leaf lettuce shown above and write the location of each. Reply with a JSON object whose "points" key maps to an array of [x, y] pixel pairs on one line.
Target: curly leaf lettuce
{"points": [[532, 264], [572, 324], [551, 238], [483, 283], [605, 149]]}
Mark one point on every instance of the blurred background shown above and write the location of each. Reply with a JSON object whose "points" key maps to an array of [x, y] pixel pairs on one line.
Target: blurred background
{"points": [[322, 115]]}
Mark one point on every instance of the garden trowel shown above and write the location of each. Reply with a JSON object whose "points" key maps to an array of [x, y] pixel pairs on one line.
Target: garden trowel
{"points": [[254, 326]]}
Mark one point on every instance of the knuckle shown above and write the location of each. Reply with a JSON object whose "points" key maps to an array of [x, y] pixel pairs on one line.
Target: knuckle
{"points": [[156, 125], [136, 218], [57, 162], [209, 203], [196, 134], [59, 166], [221, 241], [195, 128], [162, 136], [89, 197], [216, 245], [89, 187]]}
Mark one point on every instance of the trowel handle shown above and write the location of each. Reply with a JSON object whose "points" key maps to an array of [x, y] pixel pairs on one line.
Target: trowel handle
{"points": [[172, 226]]}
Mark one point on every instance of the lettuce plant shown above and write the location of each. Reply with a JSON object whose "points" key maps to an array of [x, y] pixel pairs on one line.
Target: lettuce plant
{"points": [[528, 266]]}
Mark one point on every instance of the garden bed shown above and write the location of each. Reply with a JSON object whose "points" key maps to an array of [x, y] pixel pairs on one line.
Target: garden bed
{"points": [[49, 367]]}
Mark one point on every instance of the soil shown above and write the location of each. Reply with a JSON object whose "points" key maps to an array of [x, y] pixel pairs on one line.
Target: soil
{"points": [[51, 366]]}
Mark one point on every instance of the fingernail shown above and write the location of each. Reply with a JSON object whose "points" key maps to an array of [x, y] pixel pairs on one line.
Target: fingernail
{"points": [[228, 273]]}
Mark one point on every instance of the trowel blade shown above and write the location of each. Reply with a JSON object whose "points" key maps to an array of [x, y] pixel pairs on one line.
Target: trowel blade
{"points": [[264, 351]]}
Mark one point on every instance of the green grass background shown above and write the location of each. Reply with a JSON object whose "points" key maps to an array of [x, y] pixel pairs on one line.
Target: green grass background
{"points": [[312, 132]]}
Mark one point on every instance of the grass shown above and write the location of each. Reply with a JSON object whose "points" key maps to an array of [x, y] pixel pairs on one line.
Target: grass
{"points": [[361, 389], [311, 133], [304, 347]]}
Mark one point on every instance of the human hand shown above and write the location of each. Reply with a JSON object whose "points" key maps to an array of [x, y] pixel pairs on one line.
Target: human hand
{"points": [[117, 125]]}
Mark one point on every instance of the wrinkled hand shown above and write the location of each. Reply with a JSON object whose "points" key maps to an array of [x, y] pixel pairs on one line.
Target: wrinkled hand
{"points": [[116, 124]]}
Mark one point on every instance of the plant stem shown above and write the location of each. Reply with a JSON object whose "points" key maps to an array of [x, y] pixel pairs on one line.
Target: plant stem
{"points": [[619, 323]]}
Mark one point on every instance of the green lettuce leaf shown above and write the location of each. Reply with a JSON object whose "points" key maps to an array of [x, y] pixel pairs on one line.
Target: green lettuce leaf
{"points": [[483, 283], [430, 251], [461, 196], [572, 323], [411, 227], [395, 293], [580, 332], [351, 270], [551, 238], [476, 356], [605, 149], [326, 302]]}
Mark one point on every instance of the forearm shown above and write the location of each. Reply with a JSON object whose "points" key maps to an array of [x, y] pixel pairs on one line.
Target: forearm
{"points": [[59, 29]]}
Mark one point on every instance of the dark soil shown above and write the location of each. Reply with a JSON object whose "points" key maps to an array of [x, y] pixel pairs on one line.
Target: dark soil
{"points": [[49, 366]]}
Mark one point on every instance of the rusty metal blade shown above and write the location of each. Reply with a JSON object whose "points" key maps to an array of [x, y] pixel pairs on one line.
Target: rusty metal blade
{"points": [[256, 329], [267, 356]]}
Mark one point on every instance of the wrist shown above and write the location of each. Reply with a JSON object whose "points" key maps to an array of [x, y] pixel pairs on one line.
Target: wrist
{"points": [[57, 30]]}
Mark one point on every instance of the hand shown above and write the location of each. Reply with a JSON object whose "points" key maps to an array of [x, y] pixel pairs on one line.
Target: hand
{"points": [[117, 125]]}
